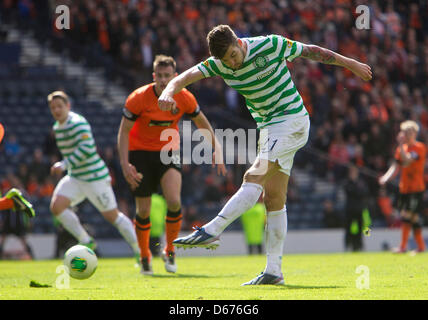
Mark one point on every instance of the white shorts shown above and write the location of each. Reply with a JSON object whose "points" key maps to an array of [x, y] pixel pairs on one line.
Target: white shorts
{"points": [[99, 193], [281, 141]]}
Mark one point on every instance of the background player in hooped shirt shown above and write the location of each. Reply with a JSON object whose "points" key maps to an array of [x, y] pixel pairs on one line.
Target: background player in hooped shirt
{"points": [[410, 158], [141, 142], [257, 68], [87, 176]]}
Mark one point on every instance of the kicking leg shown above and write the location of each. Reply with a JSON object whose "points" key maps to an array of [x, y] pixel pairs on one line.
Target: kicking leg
{"points": [[244, 199], [18, 202]]}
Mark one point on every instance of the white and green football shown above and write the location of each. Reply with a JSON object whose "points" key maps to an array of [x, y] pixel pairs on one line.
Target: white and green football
{"points": [[80, 261]]}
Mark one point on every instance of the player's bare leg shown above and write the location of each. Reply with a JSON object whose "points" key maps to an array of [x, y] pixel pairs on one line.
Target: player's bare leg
{"points": [[244, 199], [60, 209], [142, 230], [171, 188]]}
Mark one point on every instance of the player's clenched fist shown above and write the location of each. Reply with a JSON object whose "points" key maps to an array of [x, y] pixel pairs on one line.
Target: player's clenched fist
{"points": [[362, 70], [166, 102], [131, 175], [58, 168]]}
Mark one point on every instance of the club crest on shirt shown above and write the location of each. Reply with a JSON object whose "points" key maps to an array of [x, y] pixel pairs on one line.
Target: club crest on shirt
{"points": [[260, 62]]}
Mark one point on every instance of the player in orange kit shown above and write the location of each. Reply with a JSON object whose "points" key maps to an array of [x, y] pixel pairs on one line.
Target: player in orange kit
{"points": [[13, 199], [410, 158], [141, 147]]}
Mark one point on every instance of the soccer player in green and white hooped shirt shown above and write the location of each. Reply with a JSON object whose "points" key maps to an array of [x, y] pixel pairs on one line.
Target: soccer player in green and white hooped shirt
{"points": [[257, 68], [87, 175]]}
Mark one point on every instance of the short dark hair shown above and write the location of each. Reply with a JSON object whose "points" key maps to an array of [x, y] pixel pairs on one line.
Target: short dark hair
{"points": [[219, 39], [58, 94], [164, 61]]}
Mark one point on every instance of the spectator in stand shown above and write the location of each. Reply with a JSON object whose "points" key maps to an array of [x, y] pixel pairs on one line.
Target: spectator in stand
{"points": [[339, 157], [12, 147], [38, 166]]}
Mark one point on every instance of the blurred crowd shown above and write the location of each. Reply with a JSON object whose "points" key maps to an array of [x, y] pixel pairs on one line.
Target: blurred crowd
{"points": [[353, 122]]}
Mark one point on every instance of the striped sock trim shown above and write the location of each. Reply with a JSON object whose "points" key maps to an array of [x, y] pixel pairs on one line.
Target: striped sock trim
{"points": [[143, 227], [173, 220]]}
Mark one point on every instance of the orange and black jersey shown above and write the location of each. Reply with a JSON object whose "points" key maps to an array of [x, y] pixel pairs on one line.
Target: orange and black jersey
{"points": [[142, 107], [412, 176]]}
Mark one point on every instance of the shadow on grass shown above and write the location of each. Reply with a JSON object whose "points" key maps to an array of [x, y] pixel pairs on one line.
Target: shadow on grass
{"points": [[297, 286], [190, 276]]}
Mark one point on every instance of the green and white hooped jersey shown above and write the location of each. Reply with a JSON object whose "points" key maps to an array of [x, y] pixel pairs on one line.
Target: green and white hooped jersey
{"points": [[77, 146], [263, 79]]}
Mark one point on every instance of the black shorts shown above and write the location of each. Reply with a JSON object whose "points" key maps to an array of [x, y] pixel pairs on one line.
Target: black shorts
{"points": [[412, 202], [150, 164]]}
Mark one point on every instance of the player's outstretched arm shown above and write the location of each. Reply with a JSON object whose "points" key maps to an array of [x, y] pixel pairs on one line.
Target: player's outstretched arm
{"points": [[166, 101], [327, 56], [392, 172]]}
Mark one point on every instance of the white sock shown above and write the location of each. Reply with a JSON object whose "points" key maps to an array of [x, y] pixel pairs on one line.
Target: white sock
{"points": [[276, 230], [71, 223], [127, 230], [244, 199]]}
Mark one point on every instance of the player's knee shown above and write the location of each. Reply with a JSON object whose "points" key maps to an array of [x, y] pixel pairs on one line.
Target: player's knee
{"points": [[253, 178], [406, 217], [111, 215], [56, 208], [274, 202], [174, 204], [143, 213]]}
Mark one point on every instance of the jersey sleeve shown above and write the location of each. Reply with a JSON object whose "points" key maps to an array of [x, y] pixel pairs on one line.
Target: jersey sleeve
{"points": [[132, 107], [291, 48], [208, 67], [190, 105]]}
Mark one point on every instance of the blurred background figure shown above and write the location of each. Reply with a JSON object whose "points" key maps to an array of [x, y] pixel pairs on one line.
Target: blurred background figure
{"points": [[253, 224], [15, 224], [158, 212], [356, 202]]}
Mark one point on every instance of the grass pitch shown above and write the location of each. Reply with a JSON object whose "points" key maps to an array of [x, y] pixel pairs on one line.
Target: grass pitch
{"points": [[384, 276]]}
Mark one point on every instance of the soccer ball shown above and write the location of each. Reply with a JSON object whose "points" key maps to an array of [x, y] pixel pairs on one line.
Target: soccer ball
{"points": [[80, 261]]}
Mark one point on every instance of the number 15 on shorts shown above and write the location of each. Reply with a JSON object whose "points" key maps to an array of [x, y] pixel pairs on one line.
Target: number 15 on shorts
{"points": [[104, 199]]}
